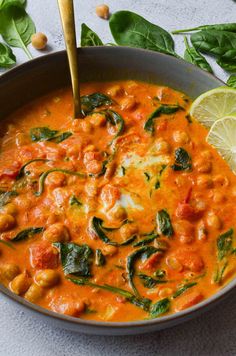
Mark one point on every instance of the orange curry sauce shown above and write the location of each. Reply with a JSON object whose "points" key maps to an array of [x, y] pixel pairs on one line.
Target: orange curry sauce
{"points": [[161, 183]]}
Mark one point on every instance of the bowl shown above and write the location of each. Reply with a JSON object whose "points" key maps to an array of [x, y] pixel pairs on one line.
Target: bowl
{"points": [[30, 80]]}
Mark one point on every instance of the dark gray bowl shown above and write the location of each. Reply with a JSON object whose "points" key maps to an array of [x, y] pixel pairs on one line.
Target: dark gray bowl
{"points": [[41, 75]]}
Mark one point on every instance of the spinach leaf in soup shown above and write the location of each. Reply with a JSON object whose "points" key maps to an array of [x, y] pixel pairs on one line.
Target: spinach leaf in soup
{"points": [[99, 258], [117, 120], [150, 282], [74, 201], [93, 101], [75, 259], [163, 109], [42, 133], [89, 37], [225, 244], [5, 197], [183, 161], [7, 57], [183, 289], [130, 29], [160, 307], [7, 3], [16, 28], [231, 82], [191, 55], [27, 233], [61, 137], [164, 223]]}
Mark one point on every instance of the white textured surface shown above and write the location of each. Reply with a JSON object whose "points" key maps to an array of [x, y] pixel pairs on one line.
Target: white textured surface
{"points": [[210, 334]]}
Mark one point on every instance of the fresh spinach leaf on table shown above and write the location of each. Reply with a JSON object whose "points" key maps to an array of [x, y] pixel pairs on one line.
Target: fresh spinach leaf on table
{"points": [[89, 37], [191, 55], [231, 82], [7, 57], [7, 3], [130, 29], [220, 27], [16, 28]]}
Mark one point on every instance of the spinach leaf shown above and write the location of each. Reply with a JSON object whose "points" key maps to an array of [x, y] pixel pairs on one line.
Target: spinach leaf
{"points": [[5, 197], [93, 101], [160, 273], [42, 134], [117, 120], [160, 307], [7, 3], [229, 65], [74, 201], [143, 303], [7, 57], [220, 27], [191, 55], [224, 244], [100, 231], [75, 259], [147, 175], [183, 161], [45, 174], [16, 28], [99, 258], [231, 82], [163, 109], [8, 244], [27, 233], [183, 288], [144, 252], [164, 223], [22, 170], [150, 282], [147, 240], [217, 43], [130, 29], [89, 37], [63, 136], [219, 274]]}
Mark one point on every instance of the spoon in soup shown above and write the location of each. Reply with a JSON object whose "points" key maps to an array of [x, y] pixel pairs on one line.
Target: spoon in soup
{"points": [[66, 8]]}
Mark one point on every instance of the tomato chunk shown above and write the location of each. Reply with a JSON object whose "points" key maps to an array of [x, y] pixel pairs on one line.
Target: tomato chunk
{"points": [[109, 195], [188, 300], [43, 255], [186, 211]]}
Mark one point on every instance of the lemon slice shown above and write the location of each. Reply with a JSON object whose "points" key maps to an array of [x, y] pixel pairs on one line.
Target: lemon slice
{"points": [[222, 136], [213, 105]]}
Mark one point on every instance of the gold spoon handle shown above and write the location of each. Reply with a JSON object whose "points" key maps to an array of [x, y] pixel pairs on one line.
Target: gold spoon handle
{"points": [[66, 9]]}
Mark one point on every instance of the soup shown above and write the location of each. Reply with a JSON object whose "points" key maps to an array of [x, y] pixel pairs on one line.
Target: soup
{"points": [[127, 214]]}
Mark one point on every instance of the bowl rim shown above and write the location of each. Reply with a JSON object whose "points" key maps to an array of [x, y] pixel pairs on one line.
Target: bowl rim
{"points": [[161, 321]]}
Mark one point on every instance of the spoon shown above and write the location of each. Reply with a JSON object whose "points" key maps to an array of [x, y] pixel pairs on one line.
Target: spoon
{"points": [[66, 9]]}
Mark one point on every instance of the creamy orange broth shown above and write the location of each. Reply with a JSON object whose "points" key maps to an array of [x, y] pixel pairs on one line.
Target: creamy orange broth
{"points": [[131, 178]]}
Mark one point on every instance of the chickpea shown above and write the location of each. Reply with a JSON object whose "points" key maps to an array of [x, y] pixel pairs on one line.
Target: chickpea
{"points": [[102, 11], [91, 189], [115, 90], [214, 221], [98, 120], [128, 103], [34, 293], [109, 250], [89, 148], [128, 230], [71, 308], [218, 197], [162, 146], [56, 233], [118, 213], [20, 284], [47, 278], [165, 292], [7, 222], [23, 202], [206, 154], [181, 137], [203, 166], [94, 167], [221, 180], [85, 126], [174, 264], [39, 40], [9, 271], [74, 151], [9, 208], [56, 179], [204, 181]]}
